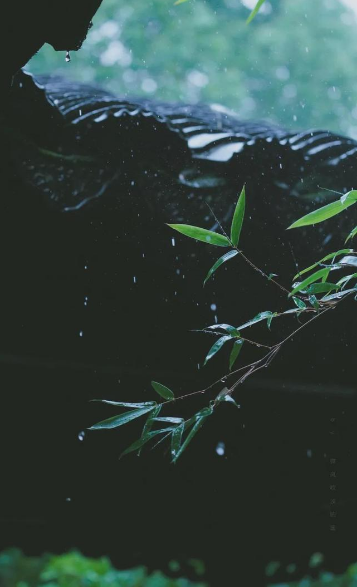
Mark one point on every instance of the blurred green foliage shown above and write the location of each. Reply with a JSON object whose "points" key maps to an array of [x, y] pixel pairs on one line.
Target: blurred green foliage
{"points": [[315, 577], [75, 570], [294, 64]]}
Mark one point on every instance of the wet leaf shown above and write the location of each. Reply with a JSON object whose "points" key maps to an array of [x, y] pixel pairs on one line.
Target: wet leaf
{"points": [[320, 274], [346, 279], [201, 234], [162, 390], [126, 404], [138, 444], [169, 419], [327, 258], [258, 318], [237, 347], [270, 319], [299, 303], [352, 234], [328, 211], [176, 439], [338, 295], [313, 301], [348, 261], [225, 327], [321, 288], [255, 11], [150, 421], [216, 347], [117, 421], [238, 218], [199, 423], [220, 262], [229, 398]]}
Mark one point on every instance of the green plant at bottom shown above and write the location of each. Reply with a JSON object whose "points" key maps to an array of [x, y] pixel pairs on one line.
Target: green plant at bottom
{"points": [[75, 570]]}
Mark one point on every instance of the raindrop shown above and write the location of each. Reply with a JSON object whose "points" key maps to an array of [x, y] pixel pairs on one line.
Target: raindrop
{"points": [[85, 266], [134, 279], [68, 57], [213, 307], [309, 453], [80, 112], [173, 242], [68, 499], [81, 436], [81, 333], [221, 449]]}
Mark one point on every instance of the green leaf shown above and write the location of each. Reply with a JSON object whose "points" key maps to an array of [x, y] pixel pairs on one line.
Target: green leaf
{"points": [[179, 2], [327, 258], [162, 390], [216, 347], [236, 349], [348, 261], [313, 301], [346, 279], [299, 303], [126, 404], [199, 423], [170, 419], [225, 327], [176, 439], [258, 318], [117, 421], [316, 288], [238, 218], [352, 234], [328, 211], [255, 11], [150, 421], [138, 444], [338, 295], [201, 234], [320, 274], [228, 398], [220, 262]]}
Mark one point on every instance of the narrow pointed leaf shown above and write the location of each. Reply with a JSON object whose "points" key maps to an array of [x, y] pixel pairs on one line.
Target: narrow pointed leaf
{"points": [[352, 234], [346, 279], [162, 390], [201, 234], [299, 303], [138, 444], [313, 301], [238, 218], [225, 327], [229, 398], [258, 318], [220, 262], [126, 404], [327, 258], [216, 347], [317, 288], [338, 295], [199, 423], [117, 421], [150, 421], [255, 11], [237, 347], [348, 261], [320, 274], [328, 211], [176, 439], [170, 420]]}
